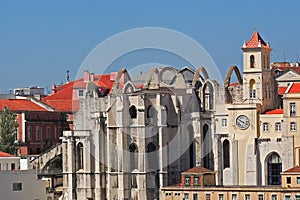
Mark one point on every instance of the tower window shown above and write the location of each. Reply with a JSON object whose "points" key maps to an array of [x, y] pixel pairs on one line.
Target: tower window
{"points": [[226, 160], [252, 61], [252, 91]]}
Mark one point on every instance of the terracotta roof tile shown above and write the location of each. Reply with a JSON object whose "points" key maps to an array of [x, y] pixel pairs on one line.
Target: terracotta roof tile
{"points": [[198, 170], [254, 42], [276, 111], [20, 105], [295, 88], [281, 90], [3, 154], [293, 170]]}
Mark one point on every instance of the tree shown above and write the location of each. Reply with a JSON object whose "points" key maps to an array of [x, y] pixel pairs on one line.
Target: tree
{"points": [[8, 128]]}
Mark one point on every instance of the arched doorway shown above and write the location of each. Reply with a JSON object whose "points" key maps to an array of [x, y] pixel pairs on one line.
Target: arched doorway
{"points": [[274, 168]]}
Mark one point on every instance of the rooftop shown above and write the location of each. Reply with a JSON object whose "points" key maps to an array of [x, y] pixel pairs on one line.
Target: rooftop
{"points": [[198, 170], [20, 105], [256, 41]]}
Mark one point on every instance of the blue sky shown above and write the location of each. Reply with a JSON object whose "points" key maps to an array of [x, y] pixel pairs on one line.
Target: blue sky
{"points": [[41, 40]]}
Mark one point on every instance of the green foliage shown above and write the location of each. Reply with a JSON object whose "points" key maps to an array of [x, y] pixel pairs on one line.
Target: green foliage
{"points": [[8, 128]]}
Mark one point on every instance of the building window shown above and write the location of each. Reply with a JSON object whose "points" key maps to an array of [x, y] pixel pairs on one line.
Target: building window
{"points": [[150, 112], [226, 154], [297, 197], [37, 133], [265, 127], [260, 197], [133, 181], [252, 61], [133, 149], [224, 122], [186, 196], [292, 109], [12, 166], [274, 197], [187, 180], [233, 197], [48, 132], [29, 133], [274, 169], [132, 112], [79, 156], [80, 93], [277, 126], [252, 89], [287, 197], [247, 196], [196, 180], [221, 196], [195, 196], [298, 180], [17, 186], [288, 180], [293, 126], [207, 197]]}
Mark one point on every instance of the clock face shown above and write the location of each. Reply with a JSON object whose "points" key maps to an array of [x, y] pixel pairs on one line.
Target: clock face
{"points": [[242, 122]]}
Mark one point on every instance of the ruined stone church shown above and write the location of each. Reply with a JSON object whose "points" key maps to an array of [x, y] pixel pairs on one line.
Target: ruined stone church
{"points": [[138, 138]]}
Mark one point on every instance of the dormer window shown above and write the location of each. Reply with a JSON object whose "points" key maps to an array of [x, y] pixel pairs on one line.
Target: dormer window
{"points": [[252, 61]]}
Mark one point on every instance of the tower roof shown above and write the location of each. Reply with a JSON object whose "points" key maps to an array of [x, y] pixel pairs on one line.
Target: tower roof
{"points": [[256, 41]]}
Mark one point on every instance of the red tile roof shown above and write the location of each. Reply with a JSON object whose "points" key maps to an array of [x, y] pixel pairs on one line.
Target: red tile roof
{"points": [[284, 69], [276, 111], [62, 100], [20, 105], [198, 170], [293, 170], [295, 88], [281, 90], [234, 84], [3, 154], [254, 42]]}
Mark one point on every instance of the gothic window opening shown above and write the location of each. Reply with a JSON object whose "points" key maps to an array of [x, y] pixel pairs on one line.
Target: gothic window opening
{"points": [[150, 112], [79, 156], [252, 61], [208, 97], [133, 149], [192, 146], [133, 112], [274, 167], [226, 155], [206, 148], [252, 89], [152, 157]]}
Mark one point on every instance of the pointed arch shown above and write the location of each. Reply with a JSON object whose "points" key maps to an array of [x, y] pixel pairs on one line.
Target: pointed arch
{"points": [[226, 154], [133, 112], [252, 61], [197, 75], [121, 78], [129, 88], [154, 72], [79, 156], [274, 168], [208, 97], [229, 73], [164, 70], [133, 149]]}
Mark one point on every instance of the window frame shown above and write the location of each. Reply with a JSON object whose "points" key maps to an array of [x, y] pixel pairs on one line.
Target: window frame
{"points": [[292, 109], [266, 127], [224, 122], [293, 126], [278, 126], [17, 186]]}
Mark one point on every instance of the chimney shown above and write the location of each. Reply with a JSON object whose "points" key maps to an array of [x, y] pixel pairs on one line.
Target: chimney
{"points": [[86, 76], [92, 77], [53, 89]]}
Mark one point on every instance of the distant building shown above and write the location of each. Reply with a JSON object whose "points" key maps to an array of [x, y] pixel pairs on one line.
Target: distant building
{"points": [[22, 185], [188, 190], [29, 91], [9, 162]]}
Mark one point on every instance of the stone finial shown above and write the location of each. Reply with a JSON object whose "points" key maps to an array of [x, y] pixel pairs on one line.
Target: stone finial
{"points": [[244, 44], [259, 43]]}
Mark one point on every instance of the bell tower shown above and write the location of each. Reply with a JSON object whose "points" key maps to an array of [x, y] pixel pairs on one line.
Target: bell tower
{"points": [[258, 83]]}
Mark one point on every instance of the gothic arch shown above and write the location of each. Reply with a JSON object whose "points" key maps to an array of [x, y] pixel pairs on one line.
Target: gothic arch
{"points": [[129, 88], [208, 97], [165, 69], [273, 168], [155, 72], [132, 112], [133, 150], [197, 75], [229, 73], [118, 80], [226, 154], [79, 156], [192, 146]]}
